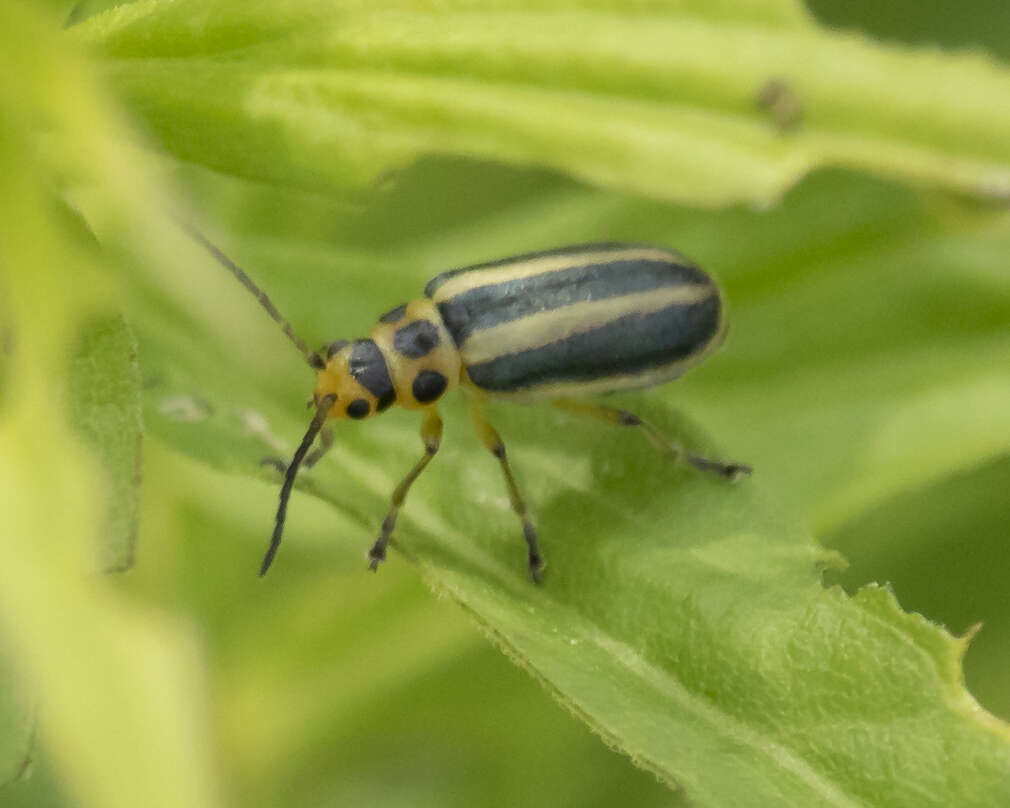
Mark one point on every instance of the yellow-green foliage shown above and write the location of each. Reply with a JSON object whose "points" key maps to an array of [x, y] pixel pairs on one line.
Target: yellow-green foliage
{"points": [[344, 152]]}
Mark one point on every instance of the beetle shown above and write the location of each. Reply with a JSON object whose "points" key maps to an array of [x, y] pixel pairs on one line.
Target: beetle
{"points": [[555, 325]]}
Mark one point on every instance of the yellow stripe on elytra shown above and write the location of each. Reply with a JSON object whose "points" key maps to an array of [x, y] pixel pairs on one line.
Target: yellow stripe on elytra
{"points": [[607, 384], [610, 384], [546, 327], [478, 278]]}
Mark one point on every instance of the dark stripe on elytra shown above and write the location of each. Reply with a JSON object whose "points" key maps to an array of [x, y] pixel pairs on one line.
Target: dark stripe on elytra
{"points": [[428, 385], [629, 344], [368, 367], [394, 315], [416, 339], [574, 249], [487, 306]]}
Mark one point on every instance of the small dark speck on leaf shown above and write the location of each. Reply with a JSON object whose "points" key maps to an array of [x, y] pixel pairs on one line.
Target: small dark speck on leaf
{"points": [[779, 98]]}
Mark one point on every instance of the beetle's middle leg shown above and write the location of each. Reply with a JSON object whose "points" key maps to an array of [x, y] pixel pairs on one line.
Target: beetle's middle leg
{"points": [[492, 440], [655, 435], [431, 434]]}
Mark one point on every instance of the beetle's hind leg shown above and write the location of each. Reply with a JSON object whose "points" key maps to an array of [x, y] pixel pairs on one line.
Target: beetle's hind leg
{"points": [[655, 435], [492, 440], [431, 434]]}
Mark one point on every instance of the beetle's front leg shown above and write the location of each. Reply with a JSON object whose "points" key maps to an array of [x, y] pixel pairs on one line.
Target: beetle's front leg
{"points": [[325, 444], [431, 435], [313, 457]]}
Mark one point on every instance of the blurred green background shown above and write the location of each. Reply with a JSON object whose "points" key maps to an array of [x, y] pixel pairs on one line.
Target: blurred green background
{"points": [[863, 310]]}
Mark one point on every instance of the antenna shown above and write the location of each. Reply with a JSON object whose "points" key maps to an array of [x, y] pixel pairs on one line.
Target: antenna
{"points": [[314, 359], [322, 410]]}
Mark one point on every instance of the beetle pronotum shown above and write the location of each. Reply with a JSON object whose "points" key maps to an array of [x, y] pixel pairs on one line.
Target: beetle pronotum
{"points": [[556, 325]]}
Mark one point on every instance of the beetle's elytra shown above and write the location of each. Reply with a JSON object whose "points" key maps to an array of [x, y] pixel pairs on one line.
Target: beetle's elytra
{"points": [[556, 325]]}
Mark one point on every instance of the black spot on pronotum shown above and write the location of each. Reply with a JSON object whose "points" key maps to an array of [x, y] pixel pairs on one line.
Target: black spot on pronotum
{"points": [[394, 315], [417, 339], [368, 367], [385, 402], [429, 385], [358, 408]]}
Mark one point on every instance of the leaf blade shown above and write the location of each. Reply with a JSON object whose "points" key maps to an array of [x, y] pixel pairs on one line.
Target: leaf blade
{"points": [[104, 390], [651, 104]]}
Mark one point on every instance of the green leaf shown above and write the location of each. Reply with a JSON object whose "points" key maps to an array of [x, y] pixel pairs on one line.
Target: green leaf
{"points": [[959, 526], [105, 401], [662, 99], [682, 617], [17, 725], [118, 687], [983, 25], [104, 384], [376, 692]]}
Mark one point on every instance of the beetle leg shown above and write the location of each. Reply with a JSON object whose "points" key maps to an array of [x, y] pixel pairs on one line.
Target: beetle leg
{"points": [[655, 435], [276, 462], [325, 444], [313, 457], [431, 435], [492, 440]]}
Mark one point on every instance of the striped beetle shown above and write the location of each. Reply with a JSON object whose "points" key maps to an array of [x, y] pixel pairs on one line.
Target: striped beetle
{"points": [[556, 325]]}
